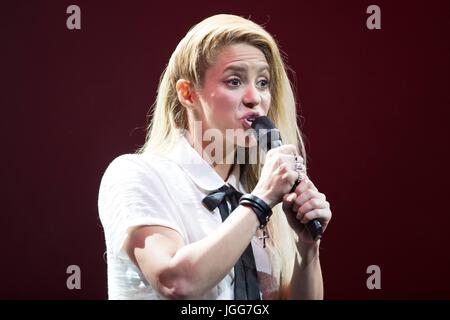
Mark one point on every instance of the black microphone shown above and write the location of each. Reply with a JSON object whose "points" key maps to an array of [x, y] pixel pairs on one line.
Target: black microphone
{"points": [[269, 137]]}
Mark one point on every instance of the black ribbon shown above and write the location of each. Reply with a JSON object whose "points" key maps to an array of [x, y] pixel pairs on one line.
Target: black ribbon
{"points": [[245, 274]]}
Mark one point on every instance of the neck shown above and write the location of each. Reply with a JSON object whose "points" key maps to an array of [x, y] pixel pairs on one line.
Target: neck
{"points": [[223, 170], [224, 167]]}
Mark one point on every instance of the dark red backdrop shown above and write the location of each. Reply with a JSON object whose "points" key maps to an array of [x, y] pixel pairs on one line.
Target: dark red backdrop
{"points": [[375, 107]]}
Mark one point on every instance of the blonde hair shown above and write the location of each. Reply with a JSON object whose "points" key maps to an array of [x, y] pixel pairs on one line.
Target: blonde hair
{"points": [[193, 55]]}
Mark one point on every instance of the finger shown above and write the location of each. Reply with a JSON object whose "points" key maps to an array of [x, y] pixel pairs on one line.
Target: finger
{"points": [[288, 159], [288, 201], [289, 177], [280, 159], [311, 205], [304, 185], [305, 196], [314, 203], [324, 215], [290, 198]]}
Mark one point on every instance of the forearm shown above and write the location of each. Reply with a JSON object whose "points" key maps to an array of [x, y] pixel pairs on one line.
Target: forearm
{"points": [[307, 282], [203, 264]]}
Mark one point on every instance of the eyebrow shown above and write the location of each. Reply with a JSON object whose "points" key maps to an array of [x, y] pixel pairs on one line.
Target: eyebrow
{"points": [[241, 68]]}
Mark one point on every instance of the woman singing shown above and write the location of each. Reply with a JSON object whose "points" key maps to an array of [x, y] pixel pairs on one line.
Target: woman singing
{"points": [[185, 220]]}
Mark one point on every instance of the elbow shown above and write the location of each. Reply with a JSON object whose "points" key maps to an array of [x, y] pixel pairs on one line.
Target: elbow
{"points": [[176, 287], [176, 291]]}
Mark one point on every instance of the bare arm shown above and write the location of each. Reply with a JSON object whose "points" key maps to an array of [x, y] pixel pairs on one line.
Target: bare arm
{"points": [[179, 271], [305, 204], [307, 283]]}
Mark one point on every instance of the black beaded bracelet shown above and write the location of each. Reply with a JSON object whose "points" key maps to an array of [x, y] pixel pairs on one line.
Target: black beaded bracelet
{"points": [[261, 209]]}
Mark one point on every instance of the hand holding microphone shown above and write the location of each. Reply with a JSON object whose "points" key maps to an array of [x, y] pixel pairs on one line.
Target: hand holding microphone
{"points": [[307, 203]]}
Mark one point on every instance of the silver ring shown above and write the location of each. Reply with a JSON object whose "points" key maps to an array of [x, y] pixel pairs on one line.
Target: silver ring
{"points": [[299, 177], [297, 182], [299, 166]]}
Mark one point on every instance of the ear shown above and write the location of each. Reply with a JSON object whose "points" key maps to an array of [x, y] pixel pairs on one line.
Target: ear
{"points": [[186, 93]]}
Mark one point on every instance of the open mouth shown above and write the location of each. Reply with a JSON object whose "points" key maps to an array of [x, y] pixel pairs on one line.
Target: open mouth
{"points": [[247, 121]]}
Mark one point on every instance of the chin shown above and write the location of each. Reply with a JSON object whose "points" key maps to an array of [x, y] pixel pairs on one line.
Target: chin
{"points": [[246, 140]]}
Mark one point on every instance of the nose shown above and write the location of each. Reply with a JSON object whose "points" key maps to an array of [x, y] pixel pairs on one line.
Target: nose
{"points": [[251, 97]]}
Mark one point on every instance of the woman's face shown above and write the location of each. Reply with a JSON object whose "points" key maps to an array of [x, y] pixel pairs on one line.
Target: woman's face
{"points": [[235, 89]]}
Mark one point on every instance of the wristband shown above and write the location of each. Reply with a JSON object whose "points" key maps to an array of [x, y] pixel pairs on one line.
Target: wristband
{"points": [[261, 209]]}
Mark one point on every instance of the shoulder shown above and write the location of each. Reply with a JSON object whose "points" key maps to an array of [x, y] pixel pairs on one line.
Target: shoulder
{"points": [[131, 173], [126, 166], [135, 182]]}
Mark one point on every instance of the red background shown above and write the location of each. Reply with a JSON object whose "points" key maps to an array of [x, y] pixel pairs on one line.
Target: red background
{"points": [[374, 107]]}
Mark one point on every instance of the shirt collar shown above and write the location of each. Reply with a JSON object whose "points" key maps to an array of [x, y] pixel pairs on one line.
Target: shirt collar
{"points": [[199, 171]]}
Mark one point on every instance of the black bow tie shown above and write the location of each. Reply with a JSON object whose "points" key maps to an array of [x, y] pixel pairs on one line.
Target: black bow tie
{"points": [[215, 198]]}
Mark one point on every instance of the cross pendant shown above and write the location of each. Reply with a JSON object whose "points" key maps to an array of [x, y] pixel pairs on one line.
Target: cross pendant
{"points": [[263, 238]]}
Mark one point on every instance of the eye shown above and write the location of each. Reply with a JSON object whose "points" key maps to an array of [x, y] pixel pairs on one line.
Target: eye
{"points": [[234, 82], [263, 83]]}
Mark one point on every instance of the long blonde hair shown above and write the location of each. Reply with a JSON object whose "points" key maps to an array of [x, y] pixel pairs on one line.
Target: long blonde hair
{"points": [[193, 55]]}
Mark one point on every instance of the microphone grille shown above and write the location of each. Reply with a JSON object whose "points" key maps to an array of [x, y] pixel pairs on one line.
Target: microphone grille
{"points": [[262, 122], [268, 136]]}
